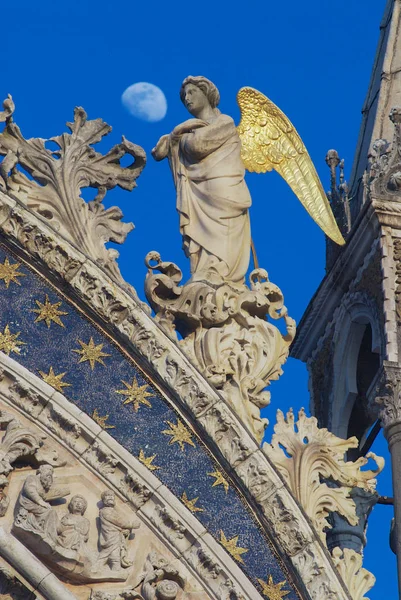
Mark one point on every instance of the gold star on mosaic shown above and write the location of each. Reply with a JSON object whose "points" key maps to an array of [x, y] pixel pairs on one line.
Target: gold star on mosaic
{"points": [[9, 272], [231, 546], [273, 591], [220, 480], [92, 353], [179, 433], [148, 461], [54, 380], [101, 420], [49, 312], [191, 503], [136, 394], [9, 342]]}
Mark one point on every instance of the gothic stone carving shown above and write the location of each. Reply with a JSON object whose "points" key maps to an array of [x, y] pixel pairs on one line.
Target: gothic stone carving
{"points": [[305, 455], [62, 543], [225, 332], [17, 442], [59, 175], [389, 396], [385, 168], [115, 529], [349, 565]]}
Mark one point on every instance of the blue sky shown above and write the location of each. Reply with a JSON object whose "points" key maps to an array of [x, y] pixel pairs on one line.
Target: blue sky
{"points": [[311, 58]]}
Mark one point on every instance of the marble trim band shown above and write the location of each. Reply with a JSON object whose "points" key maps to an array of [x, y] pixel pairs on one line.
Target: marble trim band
{"points": [[249, 467], [35, 573]]}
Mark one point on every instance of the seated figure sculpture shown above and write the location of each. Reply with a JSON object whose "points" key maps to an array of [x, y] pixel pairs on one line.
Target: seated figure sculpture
{"points": [[35, 514]]}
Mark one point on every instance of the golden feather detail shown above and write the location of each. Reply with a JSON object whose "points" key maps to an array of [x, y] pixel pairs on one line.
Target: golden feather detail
{"points": [[270, 141]]}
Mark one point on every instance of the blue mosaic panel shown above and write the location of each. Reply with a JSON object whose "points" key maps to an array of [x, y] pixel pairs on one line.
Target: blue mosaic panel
{"points": [[54, 338]]}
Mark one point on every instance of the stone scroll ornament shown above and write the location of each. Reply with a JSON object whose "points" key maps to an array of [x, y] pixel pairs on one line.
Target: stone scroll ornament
{"points": [[57, 176], [223, 322], [225, 333]]}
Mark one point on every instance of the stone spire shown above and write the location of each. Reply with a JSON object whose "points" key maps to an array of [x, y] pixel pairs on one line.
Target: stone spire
{"points": [[384, 93]]}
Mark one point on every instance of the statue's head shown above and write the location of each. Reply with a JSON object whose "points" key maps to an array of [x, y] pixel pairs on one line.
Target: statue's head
{"points": [[77, 505], [45, 473], [108, 498], [198, 92]]}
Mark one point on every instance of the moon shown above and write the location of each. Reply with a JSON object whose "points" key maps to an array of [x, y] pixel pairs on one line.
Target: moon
{"points": [[145, 101]]}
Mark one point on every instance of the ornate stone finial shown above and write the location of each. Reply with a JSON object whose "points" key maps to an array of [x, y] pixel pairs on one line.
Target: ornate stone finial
{"points": [[225, 332], [58, 175], [385, 162], [306, 455], [338, 196]]}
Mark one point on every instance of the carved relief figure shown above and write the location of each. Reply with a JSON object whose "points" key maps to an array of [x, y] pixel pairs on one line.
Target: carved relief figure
{"points": [[160, 580], [115, 529], [34, 511], [73, 529]]}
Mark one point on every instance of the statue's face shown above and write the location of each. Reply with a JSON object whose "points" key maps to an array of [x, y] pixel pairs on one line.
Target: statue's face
{"points": [[109, 500], [77, 506], [46, 479], [194, 99]]}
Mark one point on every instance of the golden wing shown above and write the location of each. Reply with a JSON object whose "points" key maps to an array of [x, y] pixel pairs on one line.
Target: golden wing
{"points": [[270, 141]]}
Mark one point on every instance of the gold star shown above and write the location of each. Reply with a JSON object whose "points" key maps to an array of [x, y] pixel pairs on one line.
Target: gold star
{"points": [[101, 420], [271, 590], [49, 312], [9, 342], [179, 433], [147, 461], [54, 380], [220, 480], [91, 353], [231, 546], [10, 272], [135, 394], [191, 503]]}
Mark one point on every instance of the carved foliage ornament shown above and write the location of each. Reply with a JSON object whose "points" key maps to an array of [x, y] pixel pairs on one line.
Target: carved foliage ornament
{"points": [[306, 456], [58, 175], [225, 332], [349, 565], [384, 175]]}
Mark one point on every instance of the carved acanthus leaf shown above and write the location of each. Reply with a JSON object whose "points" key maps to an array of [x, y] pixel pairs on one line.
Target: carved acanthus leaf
{"points": [[58, 175], [358, 580], [225, 332], [305, 455]]}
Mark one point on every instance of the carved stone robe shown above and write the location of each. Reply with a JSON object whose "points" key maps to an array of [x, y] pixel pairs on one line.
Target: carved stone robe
{"points": [[212, 199]]}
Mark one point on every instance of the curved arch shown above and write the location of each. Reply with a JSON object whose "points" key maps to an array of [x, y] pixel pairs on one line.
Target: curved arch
{"points": [[120, 317], [358, 317]]}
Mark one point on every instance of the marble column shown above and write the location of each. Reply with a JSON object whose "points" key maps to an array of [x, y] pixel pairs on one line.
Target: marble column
{"points": [[389, 400]]}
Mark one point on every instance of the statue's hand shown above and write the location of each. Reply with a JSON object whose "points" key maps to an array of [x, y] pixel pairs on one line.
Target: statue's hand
{"points": [[162, 147], [188, 126]]}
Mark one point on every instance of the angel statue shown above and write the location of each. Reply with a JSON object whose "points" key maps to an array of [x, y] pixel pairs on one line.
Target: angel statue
{"points": [[208, 156]]}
